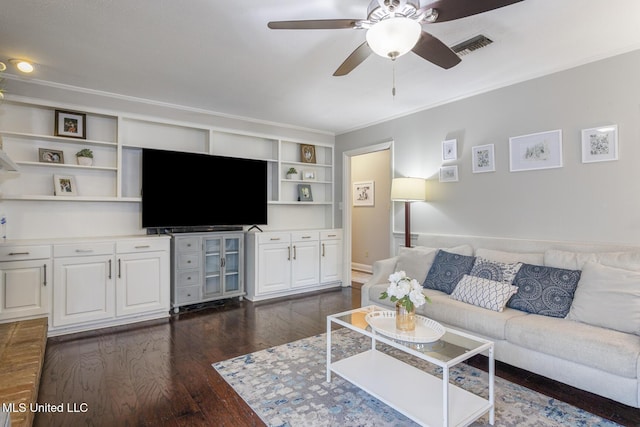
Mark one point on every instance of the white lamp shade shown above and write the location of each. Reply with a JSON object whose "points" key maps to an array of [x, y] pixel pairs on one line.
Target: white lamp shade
{"points": [[408, 189], [393, 37]]}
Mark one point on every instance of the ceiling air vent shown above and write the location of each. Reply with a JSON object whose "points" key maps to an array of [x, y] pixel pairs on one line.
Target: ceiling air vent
{"points": [[472, 44]]}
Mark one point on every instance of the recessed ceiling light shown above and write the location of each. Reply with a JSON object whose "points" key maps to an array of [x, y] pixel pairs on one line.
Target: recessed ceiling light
{"points": [[2, 66], [22, 65]]}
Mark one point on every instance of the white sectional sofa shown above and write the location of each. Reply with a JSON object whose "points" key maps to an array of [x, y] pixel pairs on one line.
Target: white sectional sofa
{"points": [[596, 347]]}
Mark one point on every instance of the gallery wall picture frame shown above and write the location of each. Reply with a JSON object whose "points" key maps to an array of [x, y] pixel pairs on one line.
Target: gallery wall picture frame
{"points": [[483, 158], [535, 151], [64, 185], [46, 155], [70, 124], [449, 150], [304, 193], [600, 144], [449, 173], [364, 193], [308, 175], [307, 153]]}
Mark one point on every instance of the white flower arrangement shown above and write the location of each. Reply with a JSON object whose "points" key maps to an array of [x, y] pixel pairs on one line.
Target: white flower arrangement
{"points": [[406, 290]]}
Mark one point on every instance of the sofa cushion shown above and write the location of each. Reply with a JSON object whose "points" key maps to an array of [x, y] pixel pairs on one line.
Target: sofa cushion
{"points": [[447, 270], [608, 297], [544, 290], [485, 293], [599, 348], [629, 260], [502, 256], [503, 272]]}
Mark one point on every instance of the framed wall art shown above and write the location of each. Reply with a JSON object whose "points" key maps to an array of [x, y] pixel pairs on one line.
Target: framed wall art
{"points": [[64, 185], [308, 175], [50, 156], [535, 151], [600, 144], [449, 173], [304, 193], [363, 193], [450, 150], [70, 124], [307, 153], [483, 158]]}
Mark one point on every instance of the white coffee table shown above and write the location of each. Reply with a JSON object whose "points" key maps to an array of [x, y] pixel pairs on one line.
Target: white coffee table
{"points": [[422, 397]]}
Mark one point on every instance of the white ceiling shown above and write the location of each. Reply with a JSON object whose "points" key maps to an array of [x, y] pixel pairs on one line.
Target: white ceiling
{"points": [[220, 56]]}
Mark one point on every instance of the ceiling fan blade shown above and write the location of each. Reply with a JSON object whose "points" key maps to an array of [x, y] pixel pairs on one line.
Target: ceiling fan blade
{"points": [[318, 24], [436, 52], [361, 53], [448, 10]]}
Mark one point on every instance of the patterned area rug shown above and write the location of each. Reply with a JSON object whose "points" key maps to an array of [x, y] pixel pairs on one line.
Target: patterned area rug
{"points": [[286, 386]]}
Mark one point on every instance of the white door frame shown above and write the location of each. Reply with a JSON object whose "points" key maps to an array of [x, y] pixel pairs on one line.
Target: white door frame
{"points": [[346, 199]]}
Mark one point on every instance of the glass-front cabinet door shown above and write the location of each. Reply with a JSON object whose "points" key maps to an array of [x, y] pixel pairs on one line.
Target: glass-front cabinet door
{"points": [[232, 273], [223, 272]]}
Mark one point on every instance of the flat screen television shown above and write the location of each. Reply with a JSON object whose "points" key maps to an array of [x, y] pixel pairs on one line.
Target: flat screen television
{"points": [[191, 190]]}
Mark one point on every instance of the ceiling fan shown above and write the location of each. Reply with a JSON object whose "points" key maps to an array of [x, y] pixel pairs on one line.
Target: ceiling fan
{"points": [[394, 27]]}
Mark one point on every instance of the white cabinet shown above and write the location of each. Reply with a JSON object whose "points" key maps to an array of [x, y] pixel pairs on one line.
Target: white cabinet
{"points": [[330, 256], [282, 263], [25, 283]]}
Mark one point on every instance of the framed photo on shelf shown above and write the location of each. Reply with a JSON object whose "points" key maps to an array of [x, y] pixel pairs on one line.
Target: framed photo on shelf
{"points": [[483, 158], [64, 185], [304, 193], [50, 156], [70, 124], [307, 153], [308, 175], [600, 144], [535, 151], [449, 173], [363, 193], [450, 150]]}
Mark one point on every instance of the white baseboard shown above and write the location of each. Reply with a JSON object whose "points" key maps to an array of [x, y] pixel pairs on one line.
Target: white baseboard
{"points": [[362, 267]]}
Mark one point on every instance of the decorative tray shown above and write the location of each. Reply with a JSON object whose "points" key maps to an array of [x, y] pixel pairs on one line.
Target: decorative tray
{"points": [[384, 322]]}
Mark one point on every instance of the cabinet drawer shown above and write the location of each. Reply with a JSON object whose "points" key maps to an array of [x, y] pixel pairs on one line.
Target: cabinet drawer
{"points": [[186, 244], [18, 253], [304, 236], [142, 245], [83, 249], [188, 278], [264, 238], [331, 234], [189, 260], [188, 294]]}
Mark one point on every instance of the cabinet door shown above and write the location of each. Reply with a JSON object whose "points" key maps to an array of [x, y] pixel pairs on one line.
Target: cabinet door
{"points": [[330, 261], [274, 268], [24, 288], [83, 289], [213, 256], [305, 265], [142, 282], [233, 271]]}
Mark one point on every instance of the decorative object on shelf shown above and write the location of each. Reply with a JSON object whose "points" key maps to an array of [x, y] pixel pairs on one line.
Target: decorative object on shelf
{"points": [[449, 150], [292, 173], [304, 193], [70, 124], [600, 144], [309, 175], [64, 185], [84, 157], [408, 190], [407, 294], [483, 158], [363, 193], [535, 151], [50, 156], [307, 153], [449, 173]]}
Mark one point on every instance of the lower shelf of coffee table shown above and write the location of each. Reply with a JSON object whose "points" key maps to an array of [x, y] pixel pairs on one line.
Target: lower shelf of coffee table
{"points": [[410, 391]]}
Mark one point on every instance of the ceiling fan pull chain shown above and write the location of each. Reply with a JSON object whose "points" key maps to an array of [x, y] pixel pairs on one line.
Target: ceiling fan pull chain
{"points": [[393, 89]]}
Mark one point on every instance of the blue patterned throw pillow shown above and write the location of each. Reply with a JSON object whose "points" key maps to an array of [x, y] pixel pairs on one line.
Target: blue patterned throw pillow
{"points": [[447, 270], [544, 290]]}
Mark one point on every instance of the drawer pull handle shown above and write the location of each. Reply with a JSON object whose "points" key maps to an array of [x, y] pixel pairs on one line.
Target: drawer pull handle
{"points": [[84, 251], [306, 237], [274, 238], [18, 253], [143, 246], [331, 235], [189, 278], [189, 262]]}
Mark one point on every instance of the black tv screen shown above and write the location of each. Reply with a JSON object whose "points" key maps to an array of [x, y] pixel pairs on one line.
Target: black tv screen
{"points": [[200, 190]]}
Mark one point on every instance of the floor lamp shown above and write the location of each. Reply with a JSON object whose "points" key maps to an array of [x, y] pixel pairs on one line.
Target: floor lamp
{"points": [[408, 190]]}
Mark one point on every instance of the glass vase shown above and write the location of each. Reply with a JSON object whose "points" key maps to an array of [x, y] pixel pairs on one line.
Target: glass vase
{"points": [[405, 319]]}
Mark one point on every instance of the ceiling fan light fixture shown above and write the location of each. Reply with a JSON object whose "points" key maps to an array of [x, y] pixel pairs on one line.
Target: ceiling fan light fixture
{"points": [[393, 37]]}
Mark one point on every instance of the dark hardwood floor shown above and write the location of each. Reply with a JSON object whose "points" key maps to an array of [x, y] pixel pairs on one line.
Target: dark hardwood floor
{"points": [[159, 373]]}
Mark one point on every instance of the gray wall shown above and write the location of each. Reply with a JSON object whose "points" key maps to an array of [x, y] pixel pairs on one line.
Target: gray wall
{"points": [[593, 202]]}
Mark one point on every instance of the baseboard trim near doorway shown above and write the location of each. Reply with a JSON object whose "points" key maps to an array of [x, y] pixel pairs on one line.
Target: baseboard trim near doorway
{"points": [[365, 268]]}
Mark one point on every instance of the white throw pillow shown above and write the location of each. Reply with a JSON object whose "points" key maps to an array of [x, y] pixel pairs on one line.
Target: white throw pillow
{"points": [[484, 293], [628, 260], [510, 257], [608, 297], [416, 261]]}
